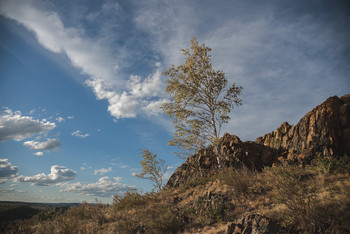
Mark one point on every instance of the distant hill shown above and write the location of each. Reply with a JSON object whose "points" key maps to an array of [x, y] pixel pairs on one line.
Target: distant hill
{"points": [[14, 210]]}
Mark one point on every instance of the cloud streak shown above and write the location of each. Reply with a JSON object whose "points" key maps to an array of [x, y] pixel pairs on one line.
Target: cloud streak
{"points": [[289, 57], [88, 55]]}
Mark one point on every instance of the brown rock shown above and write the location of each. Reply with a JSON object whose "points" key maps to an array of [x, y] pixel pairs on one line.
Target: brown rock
{"points": [[252, 223], [324, 130]]}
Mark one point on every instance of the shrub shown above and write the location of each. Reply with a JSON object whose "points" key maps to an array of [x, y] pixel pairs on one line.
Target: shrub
{"points": [[329, 165], [163, 218], [131, 199], [293, 187], [241, 180], [209, 209]]}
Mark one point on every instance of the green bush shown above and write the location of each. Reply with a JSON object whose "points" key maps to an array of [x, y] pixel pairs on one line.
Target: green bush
{"points": [[329, 165], [209, 210], [131, 199], [241, 180]]}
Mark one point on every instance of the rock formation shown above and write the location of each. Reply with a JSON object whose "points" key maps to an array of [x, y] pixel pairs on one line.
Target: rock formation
{"points": [[233, 153], [252, 223], [325, 130]]}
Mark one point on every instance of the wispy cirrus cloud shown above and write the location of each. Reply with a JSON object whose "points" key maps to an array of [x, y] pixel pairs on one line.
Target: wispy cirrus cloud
{"points": [[15, 126], [91, 56], [57, 175], [278, 52]]}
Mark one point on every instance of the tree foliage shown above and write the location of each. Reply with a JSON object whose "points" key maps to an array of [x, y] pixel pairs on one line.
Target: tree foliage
{"points": [[153, 169], [200, 100]]}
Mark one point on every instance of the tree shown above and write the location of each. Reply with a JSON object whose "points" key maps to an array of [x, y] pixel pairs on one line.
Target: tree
{"points": [[200, 102], [153, 169]]}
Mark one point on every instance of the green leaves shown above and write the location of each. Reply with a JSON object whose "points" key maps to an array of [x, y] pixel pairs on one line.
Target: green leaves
{"points": [[153, 168], [200, 102]]}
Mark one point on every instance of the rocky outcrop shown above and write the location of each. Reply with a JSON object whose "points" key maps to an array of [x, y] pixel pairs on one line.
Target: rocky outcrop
{"points": [[325, 130], [252, 223], [232, 153]]}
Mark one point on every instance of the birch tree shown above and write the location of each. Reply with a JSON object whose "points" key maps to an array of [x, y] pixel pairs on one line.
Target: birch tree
{"points": [[200, 100]]}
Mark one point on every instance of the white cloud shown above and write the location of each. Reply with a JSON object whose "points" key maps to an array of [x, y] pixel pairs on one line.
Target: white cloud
{"points": [[12, 191], [7, 170], [60, 119], [152, 86], [38, 153], [277, 58], [70, 117], [15, 126], [50, 144], [120, 105], [153, 107], [57, 175], [105, 187], [85, 54], [92, 57], [78, 133], [85, 168], [102, 171]]}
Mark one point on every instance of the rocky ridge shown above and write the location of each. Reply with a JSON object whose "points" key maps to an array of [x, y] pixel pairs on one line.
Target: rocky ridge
{"points": [[323, 131]]}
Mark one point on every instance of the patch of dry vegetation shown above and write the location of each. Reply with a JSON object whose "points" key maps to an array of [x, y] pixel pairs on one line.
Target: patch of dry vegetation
{"points": [[302, 200]]}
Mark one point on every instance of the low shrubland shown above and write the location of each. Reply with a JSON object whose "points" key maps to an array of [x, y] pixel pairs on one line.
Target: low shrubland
{"points": [[309, 199]]}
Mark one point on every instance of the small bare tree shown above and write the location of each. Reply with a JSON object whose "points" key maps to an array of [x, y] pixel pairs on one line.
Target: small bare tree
{"points": [[153, 168]]}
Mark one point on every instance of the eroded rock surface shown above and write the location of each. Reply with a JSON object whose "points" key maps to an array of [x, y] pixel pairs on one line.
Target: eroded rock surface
{"points": [[252, 223], [233, 153], [325, 130]]}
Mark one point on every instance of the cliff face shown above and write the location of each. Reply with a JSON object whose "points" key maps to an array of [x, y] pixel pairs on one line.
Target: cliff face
{"points": [[324, 130]]}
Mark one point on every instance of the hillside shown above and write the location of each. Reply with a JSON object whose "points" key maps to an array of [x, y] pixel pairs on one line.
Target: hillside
{"points": [[13, 210], [293, 180]]}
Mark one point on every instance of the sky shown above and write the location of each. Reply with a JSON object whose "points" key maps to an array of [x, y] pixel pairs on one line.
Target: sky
{"points": [[81, 82]]}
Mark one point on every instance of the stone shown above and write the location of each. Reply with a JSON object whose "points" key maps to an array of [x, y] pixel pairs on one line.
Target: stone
{"points": [[252, 223], [325, 131]]}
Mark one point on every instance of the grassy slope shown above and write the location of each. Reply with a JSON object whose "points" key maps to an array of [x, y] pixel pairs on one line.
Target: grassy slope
{"points": [[299, 199]]}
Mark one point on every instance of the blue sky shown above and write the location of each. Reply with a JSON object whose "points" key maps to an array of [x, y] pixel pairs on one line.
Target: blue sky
{"points": [[81, 82]]}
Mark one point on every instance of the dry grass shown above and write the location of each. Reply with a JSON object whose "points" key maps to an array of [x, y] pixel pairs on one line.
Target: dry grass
{"points": [[304, 200]]}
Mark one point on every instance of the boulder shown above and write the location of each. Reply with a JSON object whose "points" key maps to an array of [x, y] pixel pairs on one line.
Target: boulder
{"points": [[232, 153], [252, 223]]}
